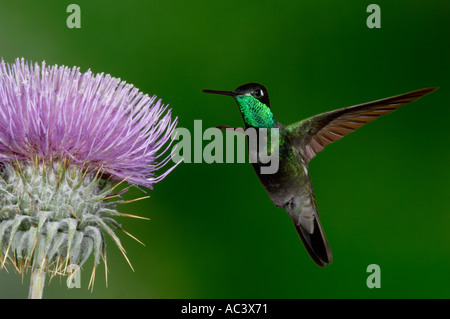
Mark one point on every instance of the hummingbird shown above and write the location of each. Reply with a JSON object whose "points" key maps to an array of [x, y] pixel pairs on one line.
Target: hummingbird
{"points": [[290, 186]]}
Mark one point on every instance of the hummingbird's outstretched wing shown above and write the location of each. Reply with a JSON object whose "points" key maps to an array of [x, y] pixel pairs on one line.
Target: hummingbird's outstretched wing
{"points": [[311, 135]]}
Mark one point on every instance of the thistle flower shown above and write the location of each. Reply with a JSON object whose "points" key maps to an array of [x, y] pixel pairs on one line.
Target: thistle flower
{"points": [[67, 140]]}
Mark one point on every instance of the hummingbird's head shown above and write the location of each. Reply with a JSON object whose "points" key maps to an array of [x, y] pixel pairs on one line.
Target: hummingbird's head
{"points": [[254, 104], [255, 90]]}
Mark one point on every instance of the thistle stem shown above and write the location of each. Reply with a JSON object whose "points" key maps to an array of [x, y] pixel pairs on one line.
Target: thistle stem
{"points": [[37, 282]]}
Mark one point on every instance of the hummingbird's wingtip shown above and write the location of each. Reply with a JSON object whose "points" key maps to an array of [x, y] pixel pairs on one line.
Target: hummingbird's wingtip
{"points": [[425, 91], [428, 90]]}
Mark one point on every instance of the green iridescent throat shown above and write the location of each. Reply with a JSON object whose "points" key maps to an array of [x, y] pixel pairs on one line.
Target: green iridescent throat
{"points": [[255, 113]]}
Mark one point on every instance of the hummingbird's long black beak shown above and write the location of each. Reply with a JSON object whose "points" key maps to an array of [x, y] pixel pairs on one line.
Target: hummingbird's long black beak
{"points": [[230, 93]]}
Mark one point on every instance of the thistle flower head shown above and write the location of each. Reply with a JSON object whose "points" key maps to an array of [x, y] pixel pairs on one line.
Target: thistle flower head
{"points": [[53, 112], [66, 139]]}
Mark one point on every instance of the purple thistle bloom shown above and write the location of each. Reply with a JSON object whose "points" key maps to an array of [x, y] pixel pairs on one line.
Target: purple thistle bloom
{"points": [[65, 138], [55, 112]]}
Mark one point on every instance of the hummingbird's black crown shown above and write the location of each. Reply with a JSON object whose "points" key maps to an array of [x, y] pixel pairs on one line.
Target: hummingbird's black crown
{"points": [[257, 90]]}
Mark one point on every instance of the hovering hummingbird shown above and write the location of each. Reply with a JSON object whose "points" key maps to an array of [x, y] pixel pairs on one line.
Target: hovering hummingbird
{"points": [[290, 187]]}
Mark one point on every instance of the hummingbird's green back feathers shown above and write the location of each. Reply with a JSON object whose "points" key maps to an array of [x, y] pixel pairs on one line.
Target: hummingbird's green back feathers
{"points": [[313, 134]]}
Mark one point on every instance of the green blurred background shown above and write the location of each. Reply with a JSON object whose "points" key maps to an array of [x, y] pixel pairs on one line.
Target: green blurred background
{"points": [[383, 192]]}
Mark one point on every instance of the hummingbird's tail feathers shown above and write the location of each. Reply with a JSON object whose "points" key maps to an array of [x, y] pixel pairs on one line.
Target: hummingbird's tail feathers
{"points": [[313, 134], [316, 243], [303, 212]]}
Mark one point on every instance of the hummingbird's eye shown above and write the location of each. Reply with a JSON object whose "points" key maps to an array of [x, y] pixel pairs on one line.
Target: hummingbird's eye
{"points": [[258, 93]]}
